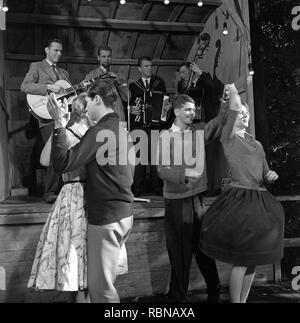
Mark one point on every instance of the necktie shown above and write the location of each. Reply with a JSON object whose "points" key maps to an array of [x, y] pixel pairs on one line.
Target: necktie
{"points": [[147, 84], [55, 72]]}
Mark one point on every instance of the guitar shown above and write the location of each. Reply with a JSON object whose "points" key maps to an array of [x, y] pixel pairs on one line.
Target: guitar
{"points": [[37, 104]]}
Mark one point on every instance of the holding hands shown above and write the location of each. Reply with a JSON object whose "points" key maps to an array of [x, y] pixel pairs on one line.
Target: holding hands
{"points": [[271, 176], [192, 176], [58, 111], [231, 93]]}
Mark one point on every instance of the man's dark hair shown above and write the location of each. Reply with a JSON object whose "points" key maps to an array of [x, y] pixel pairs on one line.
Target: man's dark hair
{"points": [[144, 58], [181, 100], [186, 64], [104, 47], [106, 91], [53, 40]]}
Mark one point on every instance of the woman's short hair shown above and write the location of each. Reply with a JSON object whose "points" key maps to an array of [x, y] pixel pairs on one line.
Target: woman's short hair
{"points": [[78, 109], [245, 104]]}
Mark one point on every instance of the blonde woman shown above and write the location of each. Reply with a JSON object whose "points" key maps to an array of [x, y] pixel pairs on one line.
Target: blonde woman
{"points": [[60, 261], [245, 225]]}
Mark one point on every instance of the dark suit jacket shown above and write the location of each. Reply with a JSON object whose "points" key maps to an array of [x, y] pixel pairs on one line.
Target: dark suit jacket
{"points": [[39, 75], [137, 90], [208, 95]]}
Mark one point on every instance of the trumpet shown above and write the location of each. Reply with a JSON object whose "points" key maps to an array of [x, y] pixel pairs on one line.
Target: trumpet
{"points": [[111, 74]]}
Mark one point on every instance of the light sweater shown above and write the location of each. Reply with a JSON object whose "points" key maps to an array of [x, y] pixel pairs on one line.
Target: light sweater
{"points": [[173, 175]]}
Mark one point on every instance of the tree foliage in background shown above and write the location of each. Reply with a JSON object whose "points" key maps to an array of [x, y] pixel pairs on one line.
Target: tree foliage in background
{"points": [[281, 58]]}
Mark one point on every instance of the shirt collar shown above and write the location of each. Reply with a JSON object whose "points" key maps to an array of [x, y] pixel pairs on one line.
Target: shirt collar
{"points": [[175, 128], [146, 79], [50, 63]]}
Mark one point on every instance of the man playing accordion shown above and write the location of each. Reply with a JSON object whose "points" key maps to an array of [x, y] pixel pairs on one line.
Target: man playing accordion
{"points": [[149, 110]]}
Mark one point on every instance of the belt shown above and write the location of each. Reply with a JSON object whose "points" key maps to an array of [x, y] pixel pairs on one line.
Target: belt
{"points": [[70, 182]]}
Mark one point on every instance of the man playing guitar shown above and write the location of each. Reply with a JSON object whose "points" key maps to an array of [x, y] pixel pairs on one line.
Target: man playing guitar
{"points": [[39, 80]]}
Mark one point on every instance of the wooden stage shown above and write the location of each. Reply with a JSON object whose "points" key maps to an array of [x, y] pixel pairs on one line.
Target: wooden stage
{"points": [[21, 222]]}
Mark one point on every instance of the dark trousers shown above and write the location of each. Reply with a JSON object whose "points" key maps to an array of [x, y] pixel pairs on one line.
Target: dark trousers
{"points": [[141, 182], [144, 184], [52, 179], [182, 230]]}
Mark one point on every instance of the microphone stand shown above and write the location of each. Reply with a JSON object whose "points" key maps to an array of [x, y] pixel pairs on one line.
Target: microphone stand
{"points": [[128, 110]]}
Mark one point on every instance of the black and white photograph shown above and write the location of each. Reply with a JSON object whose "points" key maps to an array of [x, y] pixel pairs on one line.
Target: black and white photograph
{"points": [[150, 154]]}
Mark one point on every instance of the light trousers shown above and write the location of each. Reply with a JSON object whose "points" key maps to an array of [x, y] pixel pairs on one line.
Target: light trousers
{"points": [[104, 245]]}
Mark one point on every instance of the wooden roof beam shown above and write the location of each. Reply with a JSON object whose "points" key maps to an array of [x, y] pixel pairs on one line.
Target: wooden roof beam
{"points": [[215, 3], [98, 23], [89, 60], [74, 13]]}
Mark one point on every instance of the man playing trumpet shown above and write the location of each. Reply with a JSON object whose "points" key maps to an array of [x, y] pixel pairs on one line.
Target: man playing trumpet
{"points": [[104, 57]]}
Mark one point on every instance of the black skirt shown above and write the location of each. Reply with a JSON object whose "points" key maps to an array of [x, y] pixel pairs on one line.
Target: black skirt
{"points": [[244, 227]]}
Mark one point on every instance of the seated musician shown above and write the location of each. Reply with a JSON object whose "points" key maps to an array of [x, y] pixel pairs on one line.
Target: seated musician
{"points": [[146, 101], [39, 80], [104, 57], [198, 85]]}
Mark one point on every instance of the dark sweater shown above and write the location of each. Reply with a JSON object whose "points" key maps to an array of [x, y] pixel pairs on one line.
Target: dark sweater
{"points": [[108, 192]]}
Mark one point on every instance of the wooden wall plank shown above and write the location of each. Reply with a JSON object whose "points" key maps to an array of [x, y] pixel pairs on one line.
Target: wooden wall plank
{"points": [[146, 9], [175, 14], [38, 5], [148, 264], [96, 23], [74, 13], [112, 13]]}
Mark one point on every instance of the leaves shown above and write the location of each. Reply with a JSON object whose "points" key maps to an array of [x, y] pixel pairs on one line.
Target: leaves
{"points": [[281, 58]]}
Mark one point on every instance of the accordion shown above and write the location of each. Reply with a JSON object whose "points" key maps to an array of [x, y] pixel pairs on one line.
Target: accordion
{"points": [[152, 109]]}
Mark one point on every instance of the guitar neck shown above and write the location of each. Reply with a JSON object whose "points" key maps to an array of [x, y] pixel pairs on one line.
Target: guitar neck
{"points": [[85, 83]]}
